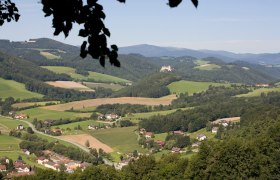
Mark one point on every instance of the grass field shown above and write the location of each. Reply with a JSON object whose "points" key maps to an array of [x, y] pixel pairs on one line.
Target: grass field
{"points": [[122, 100], [160, 136], [8, 143], [204, 65], [114, 87], [49, 55], [92, 75], [43, 114], [192, 87], [29, 104], [30, 160], [83, 124], [122, 140], [10, 123], [258, 92], [10, 88]]}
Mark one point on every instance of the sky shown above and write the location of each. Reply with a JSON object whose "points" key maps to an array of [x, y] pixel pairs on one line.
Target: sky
{"points": [[241, 26]]}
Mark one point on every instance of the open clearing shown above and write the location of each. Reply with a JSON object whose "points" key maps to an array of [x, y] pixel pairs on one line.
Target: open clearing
{"points": [[204, 65], [122, 100], [43, 114], [49, 55], [82, 138], [69, 85], [114, 87], [192, 87], [10, 88], [258, 92], [231, 119], [93, 76]]}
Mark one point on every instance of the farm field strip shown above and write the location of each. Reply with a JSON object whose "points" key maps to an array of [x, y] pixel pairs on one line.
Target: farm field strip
{"points": [[69, 85], [122, 100], [29, 104], [114, 87], [258, 92]]}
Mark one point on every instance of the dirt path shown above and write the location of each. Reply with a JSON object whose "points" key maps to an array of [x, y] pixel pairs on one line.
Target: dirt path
{"points": [[82, 138]]}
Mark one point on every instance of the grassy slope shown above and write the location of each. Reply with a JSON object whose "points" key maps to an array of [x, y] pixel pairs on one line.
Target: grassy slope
{"points": [[29, 104], [204, 65], [120, 139], [258, 92], [208, 134], [191, 86], [8, 143], [92, 75], [49, 55], [10, 88], [10, 123], [43, 114]]}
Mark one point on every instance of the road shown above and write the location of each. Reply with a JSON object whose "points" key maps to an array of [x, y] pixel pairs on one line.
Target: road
{"points": [[106, 161]]}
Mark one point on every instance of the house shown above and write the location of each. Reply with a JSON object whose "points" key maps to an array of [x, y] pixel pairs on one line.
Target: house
{"points": [[166, 69], [21, 167], [84, 165], [149, 135], [42, 160], [20, 127], [262, 85], [175, 150], [111, 116], [215, 130], [57, 130], [26, 152], [3, 168], [178, 133], [52, 165], [225, 124], [160, 143], [12, 113], [142, 131], [92, 127], [21, 116], [121, 164], [201, 137], [196, 144], [71, 166], [101, 117]]}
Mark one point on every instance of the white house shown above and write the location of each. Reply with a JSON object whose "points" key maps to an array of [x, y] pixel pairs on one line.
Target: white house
{"points": [[20, 127], [42, 160], [166, 69], [92, 127], [26, 152], [215, 130], [201, 137]]}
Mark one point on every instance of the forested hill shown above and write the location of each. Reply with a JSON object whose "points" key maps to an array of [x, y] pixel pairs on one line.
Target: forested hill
{"points": [[134, 67]]}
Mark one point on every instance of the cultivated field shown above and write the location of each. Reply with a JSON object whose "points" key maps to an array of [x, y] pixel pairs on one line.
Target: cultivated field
{"points": [[10, 88], [43, 114], [192, 87], [258, 92], [30, 104], [93, 76], [122, 100], [9, 124], [82, 138], [123, 140], [69, 85], [114, 87]]}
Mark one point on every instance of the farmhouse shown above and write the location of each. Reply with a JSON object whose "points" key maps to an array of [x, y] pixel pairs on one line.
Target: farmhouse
{"points": [[26, 152], [42, 160], [20, 127], [3, 168], [142, 131], [57, 130], [175, 150], [149, 135], [21, 116], [111, 116], [201, 137], [71, 166], [121, 164], [12, 113], [166, 69], [92, 127], [215, 130], [262, 85], [20, 166], [160, 143], [178, 133], [52, 165]]}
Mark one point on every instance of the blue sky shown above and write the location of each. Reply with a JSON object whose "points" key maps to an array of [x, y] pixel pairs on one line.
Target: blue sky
{"points": [[232, 25]]}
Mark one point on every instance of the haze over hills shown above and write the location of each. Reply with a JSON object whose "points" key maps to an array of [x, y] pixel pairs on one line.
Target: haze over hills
{"points": [[158, 51]]}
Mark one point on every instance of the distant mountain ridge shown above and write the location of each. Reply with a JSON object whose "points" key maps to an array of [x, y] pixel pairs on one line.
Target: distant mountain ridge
{"points": [[158, 51]]}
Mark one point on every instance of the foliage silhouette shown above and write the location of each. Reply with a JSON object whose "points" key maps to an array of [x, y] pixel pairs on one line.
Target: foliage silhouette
{"points": [[90, 14]]}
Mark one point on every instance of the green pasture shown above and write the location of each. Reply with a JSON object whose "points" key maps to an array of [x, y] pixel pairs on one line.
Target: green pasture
{"points": [[10, 88], [122, 140], [8, 143], [43, 114], [204, 65], [8, 123], [49, 55], [208, 134], [92, 75], [30, 104], [192, 87], [258, 92]]}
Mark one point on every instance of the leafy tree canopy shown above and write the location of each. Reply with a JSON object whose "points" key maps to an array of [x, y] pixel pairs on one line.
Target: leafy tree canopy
{"points": [[65, 13]]}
